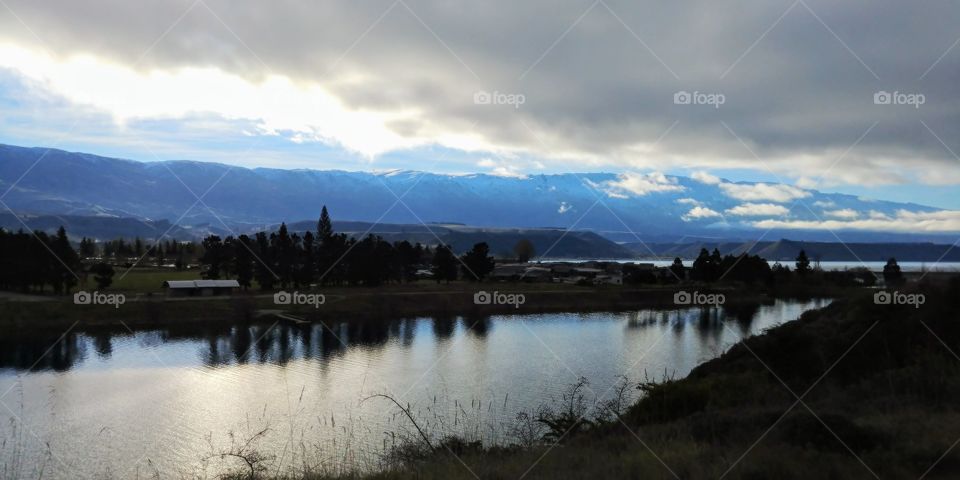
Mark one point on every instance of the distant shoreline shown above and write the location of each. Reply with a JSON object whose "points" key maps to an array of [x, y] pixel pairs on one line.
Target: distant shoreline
{"points": [[364, 304]]}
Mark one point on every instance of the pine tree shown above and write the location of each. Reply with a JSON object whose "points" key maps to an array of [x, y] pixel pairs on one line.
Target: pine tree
{"points": [[477, 262], [803, 263]]}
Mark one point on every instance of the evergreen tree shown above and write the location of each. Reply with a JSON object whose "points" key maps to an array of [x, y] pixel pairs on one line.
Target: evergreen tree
{"points": [[63, 268], [679, 271], [243, 260], [803, 263], [892, 275], [477, 262], [324, 225], [212, 258], [444, 264]]}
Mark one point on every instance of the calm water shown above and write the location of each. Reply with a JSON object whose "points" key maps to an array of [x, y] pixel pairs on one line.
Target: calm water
{"points": [[160, 401], [837, 265]]}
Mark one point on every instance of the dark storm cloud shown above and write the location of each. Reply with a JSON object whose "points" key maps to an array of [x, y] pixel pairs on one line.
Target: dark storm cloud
{"points": [[798, 78]]}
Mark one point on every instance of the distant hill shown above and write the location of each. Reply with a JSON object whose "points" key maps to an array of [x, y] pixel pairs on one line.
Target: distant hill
{"points": [[553, 243], [787, 250], [97, 227], [620, 207]]}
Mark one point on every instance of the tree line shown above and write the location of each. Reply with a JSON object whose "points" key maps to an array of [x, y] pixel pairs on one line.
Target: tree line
{"points": [[284, 259]]}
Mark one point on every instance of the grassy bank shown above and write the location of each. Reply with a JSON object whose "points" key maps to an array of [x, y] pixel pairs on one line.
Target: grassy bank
{"points": [[150, 309], [878, 386]]}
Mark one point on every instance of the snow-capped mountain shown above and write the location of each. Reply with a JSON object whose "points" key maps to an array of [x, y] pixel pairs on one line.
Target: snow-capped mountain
{"points": [[620, 206]]}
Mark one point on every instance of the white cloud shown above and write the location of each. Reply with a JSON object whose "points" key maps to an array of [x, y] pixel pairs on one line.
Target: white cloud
{"points": [[688, 201], [277, 103], [824, 204], [564, 207], [705, 177], [501, 168], [845, 213], [903, 221], [701, 212], [758, 210], [641, 184], [763, 191]]}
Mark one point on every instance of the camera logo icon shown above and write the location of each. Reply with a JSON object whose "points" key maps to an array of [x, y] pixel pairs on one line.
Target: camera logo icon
{"points": [[882, 98], [482, 298], [482, 97], [82, 298], [882, 298], [282, 298], [682, 98], [682, 298]]}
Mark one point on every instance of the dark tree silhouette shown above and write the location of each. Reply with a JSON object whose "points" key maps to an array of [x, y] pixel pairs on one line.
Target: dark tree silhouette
{"points": [[679, 271], [324, 225], [102, 274], [213, 256], [477, 262], [803, 263], [891, 273], [444, 264]]}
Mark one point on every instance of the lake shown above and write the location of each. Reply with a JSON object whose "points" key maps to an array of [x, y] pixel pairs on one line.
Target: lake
{"points": [[875, 266], [160, 402]]}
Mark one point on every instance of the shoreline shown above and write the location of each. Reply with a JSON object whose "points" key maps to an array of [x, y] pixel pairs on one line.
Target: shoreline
{"points": [[356, 304]]}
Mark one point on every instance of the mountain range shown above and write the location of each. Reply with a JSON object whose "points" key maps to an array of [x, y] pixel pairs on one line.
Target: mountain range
{"points": [[202, 196]]}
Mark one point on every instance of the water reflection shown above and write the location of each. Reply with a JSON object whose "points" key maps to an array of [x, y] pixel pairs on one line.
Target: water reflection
{"points": [[283, 341]]}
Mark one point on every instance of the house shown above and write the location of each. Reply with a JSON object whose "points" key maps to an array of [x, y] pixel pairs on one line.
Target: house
{"points": [[200, 288]]}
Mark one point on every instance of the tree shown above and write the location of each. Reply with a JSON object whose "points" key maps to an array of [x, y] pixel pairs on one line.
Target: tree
{"points": [[679, 271], [705, 267], [66, 263], [324, 225], [803, 263], [524, 250], [243, 260], [102, 274], [891, 273], [212, 257], [263, 270], [444, 264], [477, 262], [88, 247]]}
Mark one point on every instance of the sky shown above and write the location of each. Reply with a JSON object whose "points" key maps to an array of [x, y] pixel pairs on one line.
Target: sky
{"points": [[856, 97]]}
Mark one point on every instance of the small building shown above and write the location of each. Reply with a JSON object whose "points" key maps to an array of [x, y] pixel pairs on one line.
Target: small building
{"points": [[200, 288]]}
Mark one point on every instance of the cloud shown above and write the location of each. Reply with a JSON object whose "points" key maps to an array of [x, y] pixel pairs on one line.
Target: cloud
{"points": [[641, 184], [758, 210], [501, 168], [903, 221], [688, 201], [564, 207], [704, 177], [846, 213], [763, 191], [824, 204], [700, 212], [381, 76]]}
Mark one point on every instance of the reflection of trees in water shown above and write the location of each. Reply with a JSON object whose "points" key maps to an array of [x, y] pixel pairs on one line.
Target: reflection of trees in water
{"points": [[443, 326], [39, 352], [478, 325]]}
